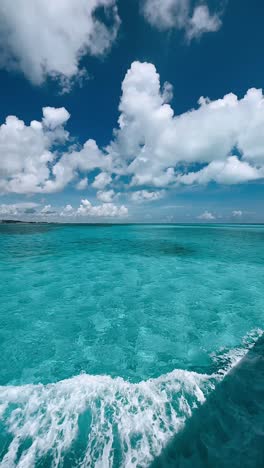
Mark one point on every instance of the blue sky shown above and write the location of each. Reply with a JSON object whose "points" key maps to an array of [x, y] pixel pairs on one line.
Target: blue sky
{"points": [[122, 136]]}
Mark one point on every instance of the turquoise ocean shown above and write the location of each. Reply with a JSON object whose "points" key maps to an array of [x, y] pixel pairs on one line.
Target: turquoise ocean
{"points": [[131, 345]]}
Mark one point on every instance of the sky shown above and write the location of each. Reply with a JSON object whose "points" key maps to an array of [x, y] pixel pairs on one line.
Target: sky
{"points": [[132, 110]]}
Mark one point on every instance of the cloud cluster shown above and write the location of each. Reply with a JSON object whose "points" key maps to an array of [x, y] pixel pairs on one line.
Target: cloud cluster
{"points": [[230, 171], [101, 180], [47, 210], [206, 216], [26, 151], [88, 210], [106, 210], [159, 148], [73, 164], [220, 141], [49, 38], [179, 14], [140, 196], [82, 184], [237, 213], [31, 162], [16, 209], [106, 196]]}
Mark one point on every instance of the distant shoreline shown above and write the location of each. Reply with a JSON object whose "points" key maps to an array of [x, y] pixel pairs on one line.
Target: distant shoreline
{"points": [[17, 221], [105, 223]]}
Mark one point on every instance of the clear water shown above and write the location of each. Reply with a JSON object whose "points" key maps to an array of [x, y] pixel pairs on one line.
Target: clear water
{"points": [[111, 335]]}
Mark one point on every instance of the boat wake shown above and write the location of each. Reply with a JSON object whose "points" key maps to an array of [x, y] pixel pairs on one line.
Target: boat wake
{"points": [[101, 421]]}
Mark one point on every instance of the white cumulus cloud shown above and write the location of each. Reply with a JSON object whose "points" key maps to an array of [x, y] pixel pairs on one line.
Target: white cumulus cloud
{"points": [[237, 213], [82, 184], [15, 209], [105, 196], [76, 162], [102, 180], [207, 216], [49, 37], [68, 210], [166, 14], [230, 171], [53, 117], [180, 14], [106, 210], [220, 141], [47, 210], [30, 162], [146, 196], [157, 147], [85, 209], [26, 153]]}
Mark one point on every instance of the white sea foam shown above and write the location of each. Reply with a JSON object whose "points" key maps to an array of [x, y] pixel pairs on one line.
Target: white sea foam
{"points": [[137, 419], [226, 359], [141, 416]]}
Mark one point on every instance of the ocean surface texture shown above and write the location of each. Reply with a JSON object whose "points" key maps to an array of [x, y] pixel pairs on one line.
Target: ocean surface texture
{"points": [[131, 345]]}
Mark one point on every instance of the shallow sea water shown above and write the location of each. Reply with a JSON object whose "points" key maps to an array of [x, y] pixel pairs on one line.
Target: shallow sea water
{"points": [[112, 335]]}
